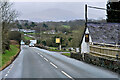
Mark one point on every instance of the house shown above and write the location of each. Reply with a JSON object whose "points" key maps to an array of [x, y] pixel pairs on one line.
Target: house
{"points": [[23, 30], [14, 29], [52, 32], [108, 33], [27, 30]]}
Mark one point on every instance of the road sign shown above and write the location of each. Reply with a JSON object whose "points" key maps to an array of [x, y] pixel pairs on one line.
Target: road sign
{"points": [[57, 40]]}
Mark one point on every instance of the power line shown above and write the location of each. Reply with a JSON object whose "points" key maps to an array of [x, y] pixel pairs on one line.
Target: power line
{"points": [[103, 9]]}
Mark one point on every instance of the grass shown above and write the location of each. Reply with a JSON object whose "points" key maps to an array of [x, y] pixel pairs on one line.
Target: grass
{"points": [[65, 26], [31, 33], [14, 49], [57, 50], [27, 38], [53, 47], [66, 54]]}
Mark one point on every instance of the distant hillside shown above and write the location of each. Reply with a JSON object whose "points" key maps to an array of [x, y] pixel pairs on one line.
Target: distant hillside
{"points": [[50, 25]]}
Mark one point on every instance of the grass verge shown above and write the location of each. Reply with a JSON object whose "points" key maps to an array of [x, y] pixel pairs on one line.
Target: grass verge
{"points": [[58, 50], [9, 55], [66, 54]]}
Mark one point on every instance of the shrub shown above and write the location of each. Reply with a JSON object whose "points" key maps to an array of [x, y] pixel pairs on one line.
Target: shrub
{"points": [[15, 35]]}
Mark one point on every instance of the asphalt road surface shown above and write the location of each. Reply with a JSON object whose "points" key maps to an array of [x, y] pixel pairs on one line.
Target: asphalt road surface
{"points": [[39, 63]]}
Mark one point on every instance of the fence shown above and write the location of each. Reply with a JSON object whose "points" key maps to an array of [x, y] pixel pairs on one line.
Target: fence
{"points": [[108, 50]]}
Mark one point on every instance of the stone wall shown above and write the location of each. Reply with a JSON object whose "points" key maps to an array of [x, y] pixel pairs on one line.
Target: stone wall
{"points": [[113, 65], [76, 56]]}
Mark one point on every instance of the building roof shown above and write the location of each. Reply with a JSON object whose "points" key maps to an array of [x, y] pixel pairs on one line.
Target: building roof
{"points": [[105, 32]]}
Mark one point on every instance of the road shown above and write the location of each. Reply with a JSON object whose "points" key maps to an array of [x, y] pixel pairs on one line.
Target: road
{"points": [[33, 62]]}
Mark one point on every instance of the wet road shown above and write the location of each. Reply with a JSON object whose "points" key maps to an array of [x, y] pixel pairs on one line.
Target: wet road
{"points": [[39, 63]]}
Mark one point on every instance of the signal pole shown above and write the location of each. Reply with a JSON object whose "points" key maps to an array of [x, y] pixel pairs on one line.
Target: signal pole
{"points": [[85, 16]]}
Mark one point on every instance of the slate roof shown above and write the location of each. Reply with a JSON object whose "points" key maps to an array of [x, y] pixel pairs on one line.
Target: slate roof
{"points": [[105, 32]]}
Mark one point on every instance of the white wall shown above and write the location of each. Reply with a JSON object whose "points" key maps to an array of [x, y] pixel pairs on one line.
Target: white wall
{"points": [[85, 46]]}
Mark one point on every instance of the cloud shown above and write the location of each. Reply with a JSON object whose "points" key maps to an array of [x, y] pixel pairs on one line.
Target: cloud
{"points": [[58, 0], [42, 11]]}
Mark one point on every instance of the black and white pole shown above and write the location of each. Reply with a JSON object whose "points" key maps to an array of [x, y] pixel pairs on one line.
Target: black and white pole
{"points": [[85, 15]]}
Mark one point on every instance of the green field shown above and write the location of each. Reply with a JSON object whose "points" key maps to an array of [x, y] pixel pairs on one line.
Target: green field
{"points": [[27, 38], [14, 49], [65, 26]]}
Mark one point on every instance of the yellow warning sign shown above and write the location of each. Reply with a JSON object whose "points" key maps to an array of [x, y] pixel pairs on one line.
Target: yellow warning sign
{"points": [[57, 40]]}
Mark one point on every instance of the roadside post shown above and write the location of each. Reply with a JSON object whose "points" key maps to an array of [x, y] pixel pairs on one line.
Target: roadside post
{"points": [[58, 42]]}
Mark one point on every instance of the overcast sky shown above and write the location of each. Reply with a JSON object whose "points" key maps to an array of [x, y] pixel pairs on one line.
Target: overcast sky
{"points": [[58, 10]]}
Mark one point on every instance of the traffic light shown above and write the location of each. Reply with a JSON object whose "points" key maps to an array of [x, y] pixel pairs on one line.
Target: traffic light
{"points": [[86, 37]]}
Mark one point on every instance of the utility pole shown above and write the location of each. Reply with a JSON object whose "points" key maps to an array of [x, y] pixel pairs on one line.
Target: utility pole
{"points": [[85, 16], [85, 25]]}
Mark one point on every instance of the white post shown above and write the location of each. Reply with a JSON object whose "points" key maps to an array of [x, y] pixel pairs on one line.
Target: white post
{"points": [[60, 47]]}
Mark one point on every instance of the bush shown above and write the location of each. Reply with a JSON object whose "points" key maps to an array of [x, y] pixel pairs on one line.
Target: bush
{"points": [[15, 35]]}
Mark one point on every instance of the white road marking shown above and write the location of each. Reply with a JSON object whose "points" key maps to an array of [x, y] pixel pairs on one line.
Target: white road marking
{"points": [[53, 65], [38, 53], [8, 71], [67, 75], [46, 59], [6, 75], [41, 55]]}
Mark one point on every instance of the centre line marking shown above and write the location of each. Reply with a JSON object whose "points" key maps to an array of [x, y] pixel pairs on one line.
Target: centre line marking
{"points": [[41, 55], [46, 59], [53, 65], [67, 75]]}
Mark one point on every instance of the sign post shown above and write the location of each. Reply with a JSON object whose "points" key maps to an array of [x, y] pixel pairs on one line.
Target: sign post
{"points": [[58, 42]]}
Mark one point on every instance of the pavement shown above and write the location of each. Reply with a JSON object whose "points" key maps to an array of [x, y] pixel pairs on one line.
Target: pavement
{"points": [[34, 62]]}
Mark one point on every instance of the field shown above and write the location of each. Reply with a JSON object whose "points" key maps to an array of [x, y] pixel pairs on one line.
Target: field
{"points": [[65, 26], [27, 38]]}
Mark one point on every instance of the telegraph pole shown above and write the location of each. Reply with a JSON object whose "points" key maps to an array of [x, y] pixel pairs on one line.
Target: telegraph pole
{"points": [[85, 25], [85, 16]]}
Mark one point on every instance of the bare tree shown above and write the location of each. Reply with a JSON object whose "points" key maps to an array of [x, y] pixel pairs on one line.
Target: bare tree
{"points": [[8, 15]]}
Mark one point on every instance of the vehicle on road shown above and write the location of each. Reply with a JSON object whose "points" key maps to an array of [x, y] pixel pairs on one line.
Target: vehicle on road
{"points": [[22, 43], [32, 43]]}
